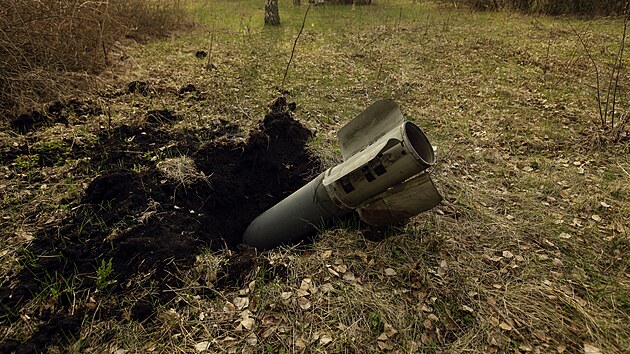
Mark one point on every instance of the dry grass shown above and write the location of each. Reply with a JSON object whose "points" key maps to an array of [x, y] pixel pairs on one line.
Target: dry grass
{"points": [[529, 251], [181, 170], [48, 47], [552, 7]]}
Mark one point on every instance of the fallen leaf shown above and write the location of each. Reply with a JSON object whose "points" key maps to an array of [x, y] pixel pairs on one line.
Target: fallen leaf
{"points": [[596, 217], [508, 254], [304, 303], [561, 348], [332, 271], [271, 319], [605, 205], [248, 323], [433, 317], [468, 309], [241, 302], [300, 343], [384, 346], [557, 262], [286, 295], [362, 255], [252, 339], [326, 254], [306, 284], [591, 349], [202, 346], [390, 272], [505, 326], [342, 268], [325, 339], [349, 277], [427, 324], [389, 330], [229, 307], [246, 314], [565, 235], [327, 288]]}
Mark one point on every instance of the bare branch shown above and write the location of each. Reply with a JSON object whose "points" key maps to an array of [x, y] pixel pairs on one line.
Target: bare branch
{"points": [[602, 115], [286, 71]]}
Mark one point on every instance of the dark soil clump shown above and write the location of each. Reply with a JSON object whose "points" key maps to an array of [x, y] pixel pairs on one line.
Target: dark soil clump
{"points": [[55, 112], [148, 226], [187, 89], [29, 121], [140, 87]]}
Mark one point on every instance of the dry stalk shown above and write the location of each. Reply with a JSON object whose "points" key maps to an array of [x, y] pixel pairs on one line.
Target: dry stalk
{"points": [[286, 71]]}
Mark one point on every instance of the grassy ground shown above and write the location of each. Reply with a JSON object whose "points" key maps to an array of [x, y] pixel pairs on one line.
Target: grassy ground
{"points": [[528, 252]]}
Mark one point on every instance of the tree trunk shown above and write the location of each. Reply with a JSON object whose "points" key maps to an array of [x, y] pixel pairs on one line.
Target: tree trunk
{"points": [[272, 17]]}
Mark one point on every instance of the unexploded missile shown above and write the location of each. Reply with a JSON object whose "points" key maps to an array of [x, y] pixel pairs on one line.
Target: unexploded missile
{"points": [[383, 177]]}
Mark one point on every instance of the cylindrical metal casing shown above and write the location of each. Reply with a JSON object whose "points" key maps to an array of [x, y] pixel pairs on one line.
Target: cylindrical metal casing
{"points": [[407, 153], [294, 218]]}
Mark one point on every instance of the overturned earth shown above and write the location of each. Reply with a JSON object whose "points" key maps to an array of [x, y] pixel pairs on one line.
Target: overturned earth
{"points": [[146, 223]]}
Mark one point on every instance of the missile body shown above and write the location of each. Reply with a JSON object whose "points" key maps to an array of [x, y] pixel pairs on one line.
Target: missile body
{"points": [[382, 176]]}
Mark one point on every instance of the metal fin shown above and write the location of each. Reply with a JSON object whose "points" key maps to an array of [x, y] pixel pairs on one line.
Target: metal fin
{"points": [[370, 125], [400, 202]]}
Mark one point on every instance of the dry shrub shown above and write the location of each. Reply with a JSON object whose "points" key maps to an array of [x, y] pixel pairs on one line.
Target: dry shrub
{"points": [[46, 45], [552, 7]]}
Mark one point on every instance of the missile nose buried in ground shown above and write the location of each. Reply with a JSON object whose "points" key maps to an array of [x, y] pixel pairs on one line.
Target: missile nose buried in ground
{"points": [[383, 177]]}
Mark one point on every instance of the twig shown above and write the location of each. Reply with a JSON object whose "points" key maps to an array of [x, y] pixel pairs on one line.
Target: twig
{"points": [[618, 64], [286, 71], [372, 41], [546, 65], [623, 169], [209, 62], [602, 115]]}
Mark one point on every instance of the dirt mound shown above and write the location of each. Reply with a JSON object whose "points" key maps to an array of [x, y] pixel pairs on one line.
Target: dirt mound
{"points": [[147, 225], [56, 112]]}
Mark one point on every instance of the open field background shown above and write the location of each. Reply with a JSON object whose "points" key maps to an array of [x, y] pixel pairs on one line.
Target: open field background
{"points": [[527, 253]]}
